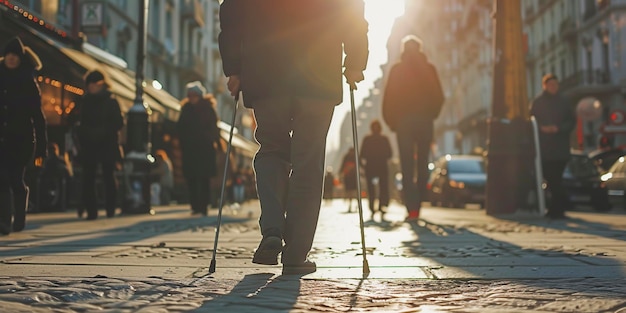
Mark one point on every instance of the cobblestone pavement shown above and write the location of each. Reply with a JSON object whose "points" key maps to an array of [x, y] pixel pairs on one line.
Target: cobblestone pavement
{"points": [[452, 261], [266, 292]]}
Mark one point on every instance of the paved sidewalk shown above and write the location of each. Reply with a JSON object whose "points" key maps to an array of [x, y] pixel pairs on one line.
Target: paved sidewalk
{"points": [[454, 260]]}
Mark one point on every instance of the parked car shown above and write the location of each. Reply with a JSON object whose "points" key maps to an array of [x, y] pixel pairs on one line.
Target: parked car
{"points": [[583, 185], [605, 158], [615, 180], [457, 180]]}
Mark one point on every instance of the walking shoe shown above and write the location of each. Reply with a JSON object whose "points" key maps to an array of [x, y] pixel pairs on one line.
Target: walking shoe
{"points": [[414, 216], [303, 268], [268, 250]]}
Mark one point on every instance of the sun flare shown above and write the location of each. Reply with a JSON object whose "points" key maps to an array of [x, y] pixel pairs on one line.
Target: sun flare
{"points": [[380, 14]]}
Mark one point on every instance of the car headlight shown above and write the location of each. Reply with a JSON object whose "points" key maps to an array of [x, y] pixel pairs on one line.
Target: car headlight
{"points": [[606, 176], [456, 184]]}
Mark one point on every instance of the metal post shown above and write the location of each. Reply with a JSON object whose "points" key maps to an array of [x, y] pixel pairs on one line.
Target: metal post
{"points": [[138, 159], [509, 129]]}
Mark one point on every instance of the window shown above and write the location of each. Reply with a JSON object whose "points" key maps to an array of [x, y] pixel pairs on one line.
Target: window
{"points": [[466, 166]]}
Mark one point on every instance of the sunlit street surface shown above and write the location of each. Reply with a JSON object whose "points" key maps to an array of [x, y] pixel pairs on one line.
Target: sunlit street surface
{"points": [[453, 260]]}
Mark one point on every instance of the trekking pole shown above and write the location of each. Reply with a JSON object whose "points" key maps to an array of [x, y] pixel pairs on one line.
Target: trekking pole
{"points": [[219, 212], [366, 267]]}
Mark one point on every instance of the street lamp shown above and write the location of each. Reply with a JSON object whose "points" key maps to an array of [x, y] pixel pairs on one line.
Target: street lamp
{"points": [[138, 159]]}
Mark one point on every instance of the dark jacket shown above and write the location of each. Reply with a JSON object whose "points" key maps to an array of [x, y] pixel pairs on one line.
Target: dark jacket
{"points": [[348, 171], [550, 109], [199, 136], [292, 48], [413, 90], [22, 123], [375, 152], [100, 120]]}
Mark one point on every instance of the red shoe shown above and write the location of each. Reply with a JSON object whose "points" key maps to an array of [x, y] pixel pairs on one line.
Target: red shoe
{"points": [[414, 216]]}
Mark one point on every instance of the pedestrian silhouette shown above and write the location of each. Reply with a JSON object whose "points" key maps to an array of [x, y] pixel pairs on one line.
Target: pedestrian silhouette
{"points": [[375, 153], [329, 184], [99, 122], [22, 131], [286, 58], [349, 177], [199, 139], [412, 100], [556, 120]]}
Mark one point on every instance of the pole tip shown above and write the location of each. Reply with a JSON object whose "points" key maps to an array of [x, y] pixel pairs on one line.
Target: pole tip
{"points": [[212, 267]]}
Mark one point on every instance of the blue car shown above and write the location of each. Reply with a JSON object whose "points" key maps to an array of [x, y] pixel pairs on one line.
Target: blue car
{"points": [[457, 180]]}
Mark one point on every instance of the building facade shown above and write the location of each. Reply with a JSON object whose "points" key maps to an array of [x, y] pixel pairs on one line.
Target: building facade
{"points": [[582, 42]]}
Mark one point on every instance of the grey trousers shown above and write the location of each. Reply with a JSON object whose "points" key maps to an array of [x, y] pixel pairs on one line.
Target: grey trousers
{"points": [[289, 168]]}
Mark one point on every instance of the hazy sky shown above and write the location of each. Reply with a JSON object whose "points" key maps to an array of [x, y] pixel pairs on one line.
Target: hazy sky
{"points": [[380, 14]]}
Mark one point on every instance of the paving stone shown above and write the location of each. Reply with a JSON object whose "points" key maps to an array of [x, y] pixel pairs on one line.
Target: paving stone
{"points": [[451, 261]]}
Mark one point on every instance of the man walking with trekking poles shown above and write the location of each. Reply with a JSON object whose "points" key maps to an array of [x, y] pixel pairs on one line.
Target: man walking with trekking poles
{"points": [[286, 58]]}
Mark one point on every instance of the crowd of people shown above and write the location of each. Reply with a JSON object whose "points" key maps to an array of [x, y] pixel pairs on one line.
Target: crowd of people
{"points": [[293, 86], [40, 176]]}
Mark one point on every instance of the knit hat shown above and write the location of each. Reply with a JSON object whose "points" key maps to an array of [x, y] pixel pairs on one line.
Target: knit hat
{"points": [[29, 59], [196, 88], [93, 77], [15, 46]]}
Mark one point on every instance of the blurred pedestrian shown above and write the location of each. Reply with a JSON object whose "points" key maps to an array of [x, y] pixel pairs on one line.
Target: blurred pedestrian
{"points": [[329, 184], [412, 101], [239, 186], [22, 131], [199, 139], [556, 120], [286, 57], [375, 153], [99, 122], [348, 176]]}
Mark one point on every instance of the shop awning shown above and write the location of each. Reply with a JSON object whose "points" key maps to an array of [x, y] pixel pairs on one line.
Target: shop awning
{"points": [[121, 83]]}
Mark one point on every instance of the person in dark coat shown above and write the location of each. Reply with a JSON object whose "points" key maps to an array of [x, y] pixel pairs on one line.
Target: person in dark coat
{"points": [[349, 177], [22, 131], [286, 58], [329, 184], [412, 100], [99, 122], [556, 120], [375, 153], [199, 138]]}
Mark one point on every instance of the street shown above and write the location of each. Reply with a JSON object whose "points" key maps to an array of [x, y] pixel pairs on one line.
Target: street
{"points": [[453, 260]]}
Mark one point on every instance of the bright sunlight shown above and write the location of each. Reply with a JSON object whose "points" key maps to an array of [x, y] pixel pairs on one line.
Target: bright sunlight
{"points": [[380, 15]]}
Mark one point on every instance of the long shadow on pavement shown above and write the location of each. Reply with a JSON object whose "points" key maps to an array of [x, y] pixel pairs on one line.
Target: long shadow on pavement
{"points": [[258, 293], [461, 252], [86, 239], [576, 225]]}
